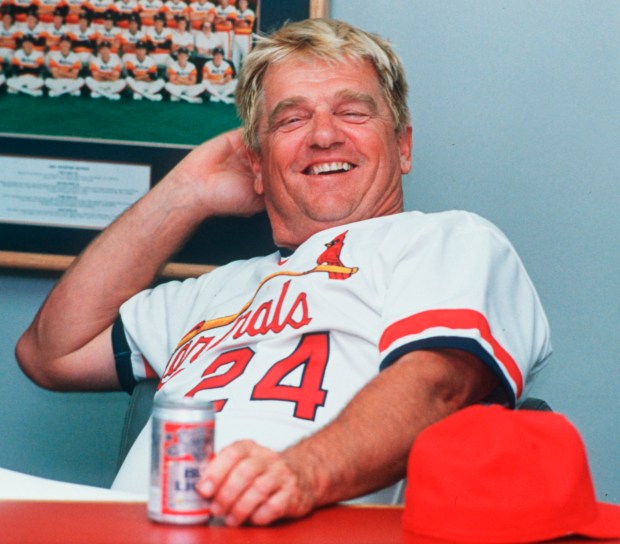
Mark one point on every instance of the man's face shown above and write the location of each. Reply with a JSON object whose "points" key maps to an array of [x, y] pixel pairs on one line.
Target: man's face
{"points": [[27, 47], [105, 54], [141, 53], [217, 59], [329, 154], [65, 47]]}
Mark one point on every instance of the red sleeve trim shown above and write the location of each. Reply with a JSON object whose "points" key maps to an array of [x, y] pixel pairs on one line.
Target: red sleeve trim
{"points": [[460, 319]]}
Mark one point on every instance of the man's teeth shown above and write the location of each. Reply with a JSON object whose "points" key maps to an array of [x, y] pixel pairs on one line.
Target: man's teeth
{"points": [[329, 167]]}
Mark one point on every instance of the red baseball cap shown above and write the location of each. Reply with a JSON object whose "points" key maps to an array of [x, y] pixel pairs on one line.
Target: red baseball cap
{"points": [[490, 474]]}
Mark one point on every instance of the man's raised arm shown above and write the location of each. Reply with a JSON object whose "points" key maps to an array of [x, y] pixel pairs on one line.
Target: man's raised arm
{"points": [[68, 345]]}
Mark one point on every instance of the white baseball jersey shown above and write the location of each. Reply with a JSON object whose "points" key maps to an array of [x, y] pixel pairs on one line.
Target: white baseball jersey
{"points": [[36, 34], [111, 35], [282, 344], [161, 41], [98, 65], [126, 8], [74, 7], [206, 43], [224, 24], [8, 39], [247, 16], [53, 34], [148, 9], [183, 39], [216, 74], [199, 11], [129, 40], [189, 70], [174, 8], [28, 63], [140, 68], [64, 63]]}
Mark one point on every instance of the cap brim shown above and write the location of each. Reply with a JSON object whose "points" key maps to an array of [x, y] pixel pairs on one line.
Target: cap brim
{"points": [[606, 524]]}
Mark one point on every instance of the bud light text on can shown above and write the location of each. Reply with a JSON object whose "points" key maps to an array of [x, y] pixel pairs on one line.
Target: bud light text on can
{"points": [[182, 442]]}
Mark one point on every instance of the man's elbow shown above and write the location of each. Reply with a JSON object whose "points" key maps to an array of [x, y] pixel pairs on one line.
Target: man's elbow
{"points": [[35, 364]]}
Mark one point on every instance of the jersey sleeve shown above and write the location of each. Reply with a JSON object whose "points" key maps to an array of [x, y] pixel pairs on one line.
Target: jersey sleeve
{"points": [[151, 323], [460, 285], [148, 325]]}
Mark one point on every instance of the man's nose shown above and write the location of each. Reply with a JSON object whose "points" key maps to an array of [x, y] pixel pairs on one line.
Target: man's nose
{"points": [[324, 130]]}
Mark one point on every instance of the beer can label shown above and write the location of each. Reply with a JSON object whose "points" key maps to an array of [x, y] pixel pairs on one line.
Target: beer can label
{"points": [[184, 451], [179, 450]]}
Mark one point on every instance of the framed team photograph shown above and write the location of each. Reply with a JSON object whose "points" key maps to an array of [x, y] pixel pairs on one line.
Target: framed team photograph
{"points": [[122, 91]]}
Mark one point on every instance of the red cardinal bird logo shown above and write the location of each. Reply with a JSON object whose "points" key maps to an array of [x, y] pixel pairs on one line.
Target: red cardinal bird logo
{"points": [[331, 258]]}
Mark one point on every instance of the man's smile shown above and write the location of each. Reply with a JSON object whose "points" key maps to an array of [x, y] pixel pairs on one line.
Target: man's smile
{"points": [[335, 167]]}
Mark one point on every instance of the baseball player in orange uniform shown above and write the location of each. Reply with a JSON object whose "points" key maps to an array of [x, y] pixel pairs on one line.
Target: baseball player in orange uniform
{"points": [[110, 33], [49, 8], [173, 9], [9, 33], [182, 79], [201, 11], [225, 15], [242, 35], [129, 37], [97, 10], [34, 29], [22, 7], [84, 38], [141, 71], [217, 78], [148, 9], [65, 66], [105, 79], [160, 40], [74, 8], [27, 64], [54, 31], [125, 10]]}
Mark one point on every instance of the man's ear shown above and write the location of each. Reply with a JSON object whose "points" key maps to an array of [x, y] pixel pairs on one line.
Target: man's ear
{"points": [[255, 164], [405, 147]]}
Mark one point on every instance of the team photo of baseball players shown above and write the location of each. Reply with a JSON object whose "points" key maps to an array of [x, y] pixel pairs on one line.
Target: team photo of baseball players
{"points": [[160, 51]]}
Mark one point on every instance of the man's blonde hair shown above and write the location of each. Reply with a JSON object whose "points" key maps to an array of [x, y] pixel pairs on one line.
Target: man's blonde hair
{"points": [[325, 39]]}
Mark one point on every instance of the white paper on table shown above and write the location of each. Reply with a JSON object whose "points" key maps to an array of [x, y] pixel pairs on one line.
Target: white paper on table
{"points": [[19, 486]]}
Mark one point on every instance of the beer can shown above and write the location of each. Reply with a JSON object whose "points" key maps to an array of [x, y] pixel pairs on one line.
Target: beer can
{"points": [[182, 442]]}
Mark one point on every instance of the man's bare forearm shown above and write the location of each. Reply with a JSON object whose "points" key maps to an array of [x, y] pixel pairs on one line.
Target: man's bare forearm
{"points": [[367, 446], [364, 449], [123, 260]]}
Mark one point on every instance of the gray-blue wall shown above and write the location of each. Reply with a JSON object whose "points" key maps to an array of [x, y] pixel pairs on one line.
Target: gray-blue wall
{"points": [[516, 113]]}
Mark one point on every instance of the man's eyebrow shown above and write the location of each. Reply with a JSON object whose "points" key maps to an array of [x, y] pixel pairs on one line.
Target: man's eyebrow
{"points": [[291, 102], [347, 95]]}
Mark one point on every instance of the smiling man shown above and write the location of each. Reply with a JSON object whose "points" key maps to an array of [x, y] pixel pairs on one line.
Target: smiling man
{"points": [[328, 357]]}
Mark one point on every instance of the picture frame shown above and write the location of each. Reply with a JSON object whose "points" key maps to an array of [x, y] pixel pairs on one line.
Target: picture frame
{"points": [[37, 239]]}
